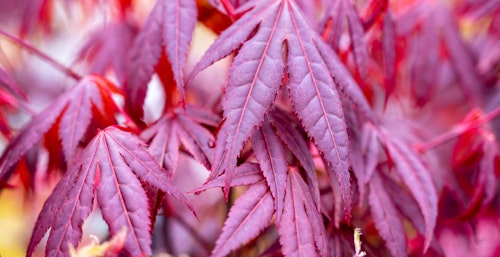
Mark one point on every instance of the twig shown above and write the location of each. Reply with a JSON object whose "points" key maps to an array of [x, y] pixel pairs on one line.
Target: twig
{"points": [[456, 131], [41, 55]]}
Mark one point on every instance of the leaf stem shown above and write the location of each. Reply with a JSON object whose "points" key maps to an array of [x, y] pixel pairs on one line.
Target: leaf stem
{"points": [[229, 9], [41, 55], [456, 131]]}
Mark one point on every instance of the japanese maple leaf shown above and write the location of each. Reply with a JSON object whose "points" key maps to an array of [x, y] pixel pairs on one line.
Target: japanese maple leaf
{"points": [[111, 168], [301, 230], [416, 176], [250, 214], [269, 37], [169, 27], [271, 144], [422, 22], [107, 48], [386, 218], [7, 81], [339, 11], [72, 112], [182, 127]]}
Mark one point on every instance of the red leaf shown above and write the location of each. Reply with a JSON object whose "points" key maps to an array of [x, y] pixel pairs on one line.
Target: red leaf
{"points": [[255, 77], [317, 103], [75, 107], [170, 24], [120, 160], [250, 214], [386, 218], [417, 178], [389, 53], [107, 48], [298, 146], [270, 153], [245, 174], [10, 83], [357, 33], [176, 129], [301, 229]]}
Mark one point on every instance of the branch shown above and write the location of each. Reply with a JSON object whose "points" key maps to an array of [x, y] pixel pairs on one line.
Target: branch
{"points": [[41, 55], [456, 131]]}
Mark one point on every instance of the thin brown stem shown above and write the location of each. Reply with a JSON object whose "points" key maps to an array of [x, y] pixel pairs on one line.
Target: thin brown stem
{"points": [[41, 55]]}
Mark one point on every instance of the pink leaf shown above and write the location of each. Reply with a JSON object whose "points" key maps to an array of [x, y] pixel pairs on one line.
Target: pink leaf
{"points": [[317, 103], [170, 24], [246, 174], [301, 229], [418, 180], [386, 218], [270, 153], [298, 146], [250, 214], [75, 109], [120, 160]]}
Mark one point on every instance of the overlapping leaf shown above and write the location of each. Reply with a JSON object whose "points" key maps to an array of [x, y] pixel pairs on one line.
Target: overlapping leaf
{"points": [[114, 163], [181, 127], [269, 36], [270, 153], [386, 218], [169, 27], [250, 214], [107, 48], [301, 230], [74, 110], [416, 177]]}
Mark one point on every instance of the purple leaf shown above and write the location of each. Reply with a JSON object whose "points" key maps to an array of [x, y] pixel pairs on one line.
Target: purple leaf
{"points": [[75, 107], [122, 198], [246, 174], [344, 80], [170, 24], [298, 146], [254, 81], [389, 53], [250, 214], [317, 103], [386, 218], [67, 207], [357, 34], [107, 48], [270, 153], [417, 178], [121, 161], [9, 82], [301, 229]]}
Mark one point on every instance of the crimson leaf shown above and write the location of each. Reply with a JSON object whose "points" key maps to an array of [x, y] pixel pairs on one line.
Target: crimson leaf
{"points": [[255, 78], [250, 214], [107, 48], [75, 108], [301, 229], [120, 161], [386, 217], [416, 177], [180, 127], [270, 153], [170, 23]]}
